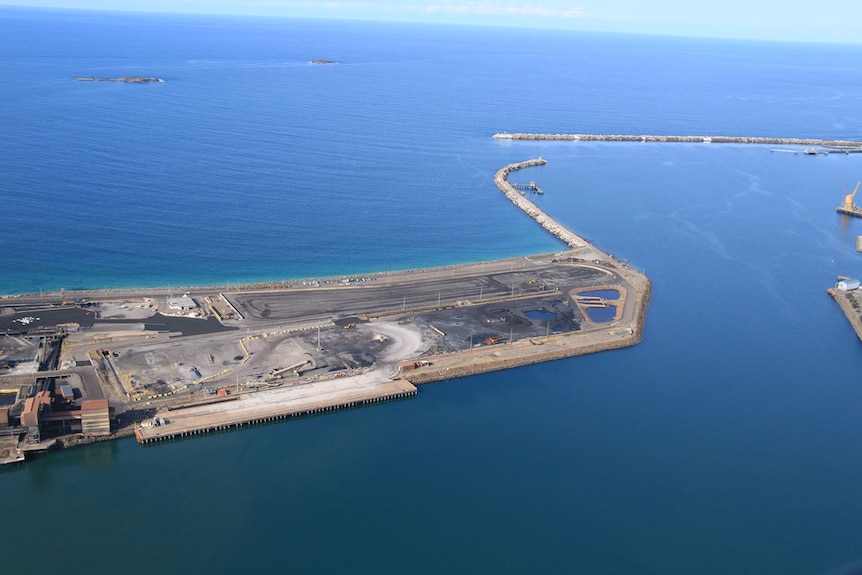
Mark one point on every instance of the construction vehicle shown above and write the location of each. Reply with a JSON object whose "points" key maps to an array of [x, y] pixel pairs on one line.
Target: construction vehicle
{"points": [[494, 339], [849, 207]]}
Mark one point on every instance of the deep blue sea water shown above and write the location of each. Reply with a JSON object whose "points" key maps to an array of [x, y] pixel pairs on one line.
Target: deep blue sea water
{"points": [[727, 442]]}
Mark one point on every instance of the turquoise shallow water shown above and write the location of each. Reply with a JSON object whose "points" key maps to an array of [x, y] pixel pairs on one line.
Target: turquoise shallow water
{"points": [[727, 442]]}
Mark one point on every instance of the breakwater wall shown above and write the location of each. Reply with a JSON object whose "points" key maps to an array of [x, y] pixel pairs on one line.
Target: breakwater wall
{"points": [[501, 179], [681, 139]]}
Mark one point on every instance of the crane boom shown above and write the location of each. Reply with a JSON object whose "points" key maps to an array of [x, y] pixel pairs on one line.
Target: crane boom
{"points": [[848, 199]]}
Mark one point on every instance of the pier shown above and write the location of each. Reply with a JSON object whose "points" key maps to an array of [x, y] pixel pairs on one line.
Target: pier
{"points": [[268, 407], [531, 187]]}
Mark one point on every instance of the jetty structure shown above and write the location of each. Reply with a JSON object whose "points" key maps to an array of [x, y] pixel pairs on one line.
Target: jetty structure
{"points": [[161, 364]]}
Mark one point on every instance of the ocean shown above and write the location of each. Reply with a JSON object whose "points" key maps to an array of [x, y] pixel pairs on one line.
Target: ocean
{"points": [[726, 442]]}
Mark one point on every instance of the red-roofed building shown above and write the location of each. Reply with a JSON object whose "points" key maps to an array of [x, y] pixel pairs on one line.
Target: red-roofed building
{"points": [[30, 413]]}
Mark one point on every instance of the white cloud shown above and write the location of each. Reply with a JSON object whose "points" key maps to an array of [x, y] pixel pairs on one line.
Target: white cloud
{"points": [[489, 8]]}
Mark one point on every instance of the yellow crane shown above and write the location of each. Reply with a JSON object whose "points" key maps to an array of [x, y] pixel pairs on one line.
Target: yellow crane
{"points": [[849, 207], [848, 199]]}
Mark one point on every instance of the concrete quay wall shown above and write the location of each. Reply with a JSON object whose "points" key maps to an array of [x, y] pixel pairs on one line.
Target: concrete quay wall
{"points": [[501, 179], [680, 139], [198, 420]]}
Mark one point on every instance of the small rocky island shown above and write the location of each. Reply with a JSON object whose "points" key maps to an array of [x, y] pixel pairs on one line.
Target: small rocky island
{"points": [[126, 79], [323, 62]]}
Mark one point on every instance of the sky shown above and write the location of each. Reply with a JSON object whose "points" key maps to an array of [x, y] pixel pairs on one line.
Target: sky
{"points": [[788, 20]]}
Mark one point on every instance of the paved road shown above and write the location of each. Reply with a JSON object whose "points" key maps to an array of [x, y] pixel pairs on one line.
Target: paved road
{"points": [[373, 298], [387, 293]]}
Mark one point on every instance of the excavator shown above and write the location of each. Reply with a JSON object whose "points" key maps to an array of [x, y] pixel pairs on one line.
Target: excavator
{"points": [[849, 207]]}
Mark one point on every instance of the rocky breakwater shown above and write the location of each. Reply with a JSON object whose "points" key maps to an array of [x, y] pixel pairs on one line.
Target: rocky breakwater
{"points": [[501, 179], [849, 304], [124, 79], [680, 139]]}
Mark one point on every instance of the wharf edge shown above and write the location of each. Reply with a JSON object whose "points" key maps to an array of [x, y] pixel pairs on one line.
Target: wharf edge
{"points": [[398, 389]]}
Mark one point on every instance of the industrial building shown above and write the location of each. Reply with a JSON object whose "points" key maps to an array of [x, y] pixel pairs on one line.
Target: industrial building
{"points": [[46, 414], [182, 303], [95, 417]]}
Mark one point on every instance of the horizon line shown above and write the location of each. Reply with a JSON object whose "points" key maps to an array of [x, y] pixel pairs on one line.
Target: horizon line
{"points": [[419, 22]]}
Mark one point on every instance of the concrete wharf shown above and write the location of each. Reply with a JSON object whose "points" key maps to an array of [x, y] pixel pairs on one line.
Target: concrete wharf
{"points": [[274, 405]]}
